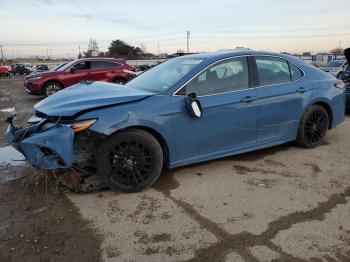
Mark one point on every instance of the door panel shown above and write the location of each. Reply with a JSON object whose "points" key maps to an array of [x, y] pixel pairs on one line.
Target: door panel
{"points": [[229, 111], [102, 70], [226, 123], [80, 74], [280, 101], [280, 108]]}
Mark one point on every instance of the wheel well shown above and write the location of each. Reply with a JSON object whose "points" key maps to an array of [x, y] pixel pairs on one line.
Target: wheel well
{"points": [[52, 81], [329, 111], [119, 77], [157, 136]]}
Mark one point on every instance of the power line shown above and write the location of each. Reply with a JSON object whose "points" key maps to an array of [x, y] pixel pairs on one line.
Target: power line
{"points": [[271, 37], [2, 53], [250, 30]]}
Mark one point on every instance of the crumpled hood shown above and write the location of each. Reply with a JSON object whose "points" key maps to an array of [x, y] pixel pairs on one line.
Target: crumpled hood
{"points": [[89, 95]]}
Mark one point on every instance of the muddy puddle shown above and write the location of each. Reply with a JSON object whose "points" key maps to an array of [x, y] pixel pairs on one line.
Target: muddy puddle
{"points": [[11, 161], [11, 156], [8, 110]]}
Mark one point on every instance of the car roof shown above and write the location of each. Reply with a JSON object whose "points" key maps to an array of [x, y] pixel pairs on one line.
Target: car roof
{"points": [[102, 58], [232, 53]]}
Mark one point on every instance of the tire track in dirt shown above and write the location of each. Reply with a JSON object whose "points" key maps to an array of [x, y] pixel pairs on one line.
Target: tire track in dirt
{"points": [[241, 242]]}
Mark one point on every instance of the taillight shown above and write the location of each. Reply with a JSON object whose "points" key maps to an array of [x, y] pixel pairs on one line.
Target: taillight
{"points": [[340, 85]]}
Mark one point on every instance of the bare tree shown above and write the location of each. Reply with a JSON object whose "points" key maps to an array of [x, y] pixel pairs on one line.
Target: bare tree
{"points": [[143, 48], [93, 49], [337, 51]]}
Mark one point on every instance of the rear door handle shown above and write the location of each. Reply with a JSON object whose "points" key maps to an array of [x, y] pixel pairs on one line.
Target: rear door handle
{"points": [[248, 99], [302, 90]]}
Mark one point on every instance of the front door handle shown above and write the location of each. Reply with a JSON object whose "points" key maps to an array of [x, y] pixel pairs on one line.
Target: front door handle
{"points": [[248, 99], [302, 90]]}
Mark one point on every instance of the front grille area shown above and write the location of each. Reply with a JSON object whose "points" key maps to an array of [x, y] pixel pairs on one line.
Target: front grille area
{"points": [[40, 114]]}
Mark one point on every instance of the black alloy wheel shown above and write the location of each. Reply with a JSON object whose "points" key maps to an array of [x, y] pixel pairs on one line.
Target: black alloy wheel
{"points": [[130, 160], [313, 127]]}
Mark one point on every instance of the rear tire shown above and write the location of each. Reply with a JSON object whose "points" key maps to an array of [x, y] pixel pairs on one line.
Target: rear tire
{"points": [[119, 81], [52, 88], [313, 127], [130, 161]]}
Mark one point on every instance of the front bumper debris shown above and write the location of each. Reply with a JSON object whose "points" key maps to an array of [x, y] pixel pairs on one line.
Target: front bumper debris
{"points": [[48, 149]]}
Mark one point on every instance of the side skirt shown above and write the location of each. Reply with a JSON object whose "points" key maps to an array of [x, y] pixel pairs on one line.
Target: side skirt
{"points": [[229, 152]]}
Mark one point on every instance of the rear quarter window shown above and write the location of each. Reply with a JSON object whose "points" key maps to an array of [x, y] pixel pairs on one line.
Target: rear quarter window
{"points": [[295, 72]]}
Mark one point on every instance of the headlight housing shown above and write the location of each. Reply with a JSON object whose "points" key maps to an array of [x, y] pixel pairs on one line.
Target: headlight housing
{"points": [[82, 125], [77, 126], [34, 78]]}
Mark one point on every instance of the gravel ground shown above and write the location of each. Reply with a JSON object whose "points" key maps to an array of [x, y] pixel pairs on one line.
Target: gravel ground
{"points": [[280, 204]]}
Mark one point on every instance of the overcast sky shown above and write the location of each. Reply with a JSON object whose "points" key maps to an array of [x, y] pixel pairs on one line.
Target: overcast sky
{"points": [[33, 26]]}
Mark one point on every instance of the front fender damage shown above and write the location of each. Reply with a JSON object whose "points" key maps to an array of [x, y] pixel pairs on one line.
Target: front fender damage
{"points": [[51, 149], [51, 146], [48, 150]]}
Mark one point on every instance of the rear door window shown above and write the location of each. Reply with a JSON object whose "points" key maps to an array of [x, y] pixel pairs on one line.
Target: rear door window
{"points": [[272, 70], [103, 64]]}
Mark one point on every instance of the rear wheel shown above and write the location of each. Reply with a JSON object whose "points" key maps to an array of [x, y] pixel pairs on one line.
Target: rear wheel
{"points": [[313, 127], [52, 88], [130, 160]]}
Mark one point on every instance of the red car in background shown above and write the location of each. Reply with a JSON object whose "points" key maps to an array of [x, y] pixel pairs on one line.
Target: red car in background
{"points": [[4, 72], [86, 69]]}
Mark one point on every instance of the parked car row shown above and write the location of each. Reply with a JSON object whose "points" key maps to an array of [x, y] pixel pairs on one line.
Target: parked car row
{"points": [[22, 69], [186, 110], [336, 67]]}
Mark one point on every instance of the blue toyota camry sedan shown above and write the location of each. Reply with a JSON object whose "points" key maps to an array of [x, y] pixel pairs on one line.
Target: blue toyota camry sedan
{"points": [[186, 110]]}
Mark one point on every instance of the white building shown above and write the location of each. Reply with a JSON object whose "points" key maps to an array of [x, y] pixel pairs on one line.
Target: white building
{"points": [[323, 58]]}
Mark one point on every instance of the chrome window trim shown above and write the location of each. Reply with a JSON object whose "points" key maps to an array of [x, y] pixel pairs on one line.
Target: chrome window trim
{"points": [[228, 58]]}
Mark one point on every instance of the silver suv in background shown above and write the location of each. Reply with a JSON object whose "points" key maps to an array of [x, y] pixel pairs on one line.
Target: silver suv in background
{"points": [[335, 67]]}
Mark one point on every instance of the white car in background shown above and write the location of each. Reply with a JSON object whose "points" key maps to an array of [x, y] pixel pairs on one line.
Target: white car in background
{"points": [[30, 67], [335, 67]]}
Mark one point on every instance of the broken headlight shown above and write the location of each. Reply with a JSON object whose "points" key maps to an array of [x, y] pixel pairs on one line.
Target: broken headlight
{"points": [[77, 126], [82, 125]]}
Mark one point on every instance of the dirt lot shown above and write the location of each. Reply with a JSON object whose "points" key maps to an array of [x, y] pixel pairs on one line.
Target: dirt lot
{"points": [[278, 204]]}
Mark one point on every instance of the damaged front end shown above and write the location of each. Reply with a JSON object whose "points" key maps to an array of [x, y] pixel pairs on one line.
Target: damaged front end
{"points": [[48, 144]]}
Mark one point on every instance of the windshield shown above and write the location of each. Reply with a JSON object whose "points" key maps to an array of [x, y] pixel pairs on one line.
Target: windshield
{"points": [[55, 68], [163, 76], [334, 64], [66, 66]]}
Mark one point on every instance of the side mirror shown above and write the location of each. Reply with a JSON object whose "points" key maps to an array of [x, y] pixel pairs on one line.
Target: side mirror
{"points": [[193, 105], [72, 69]]}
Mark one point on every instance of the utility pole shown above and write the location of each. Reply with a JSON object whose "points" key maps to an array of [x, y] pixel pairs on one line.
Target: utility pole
{"points": [[158, 49], [188, 44], [2, 54]]}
